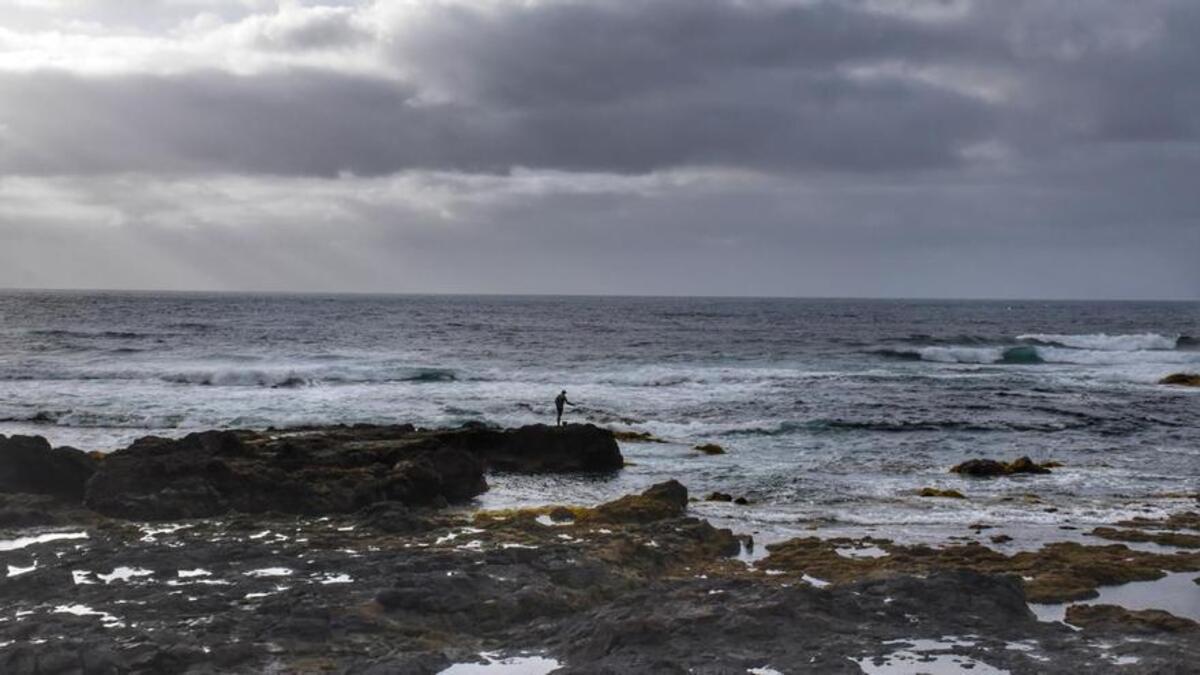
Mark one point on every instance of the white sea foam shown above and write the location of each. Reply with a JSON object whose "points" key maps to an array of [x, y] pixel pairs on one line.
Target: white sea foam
{"points": [[1028, 354], [513, 665], [22, 542], [1104, 342]]}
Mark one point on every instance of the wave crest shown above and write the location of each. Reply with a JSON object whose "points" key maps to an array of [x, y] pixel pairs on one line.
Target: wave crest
{"points": [[1104, 342]]}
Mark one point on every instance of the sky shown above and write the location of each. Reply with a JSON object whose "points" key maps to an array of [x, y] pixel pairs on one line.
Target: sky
{"points": [[862, 148]]}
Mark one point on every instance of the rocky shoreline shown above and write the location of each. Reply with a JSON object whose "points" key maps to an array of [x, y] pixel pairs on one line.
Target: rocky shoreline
{"points": [[331, 550]]}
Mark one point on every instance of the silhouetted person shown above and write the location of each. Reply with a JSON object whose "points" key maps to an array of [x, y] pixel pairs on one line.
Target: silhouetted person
{"points": [[559, 402]]}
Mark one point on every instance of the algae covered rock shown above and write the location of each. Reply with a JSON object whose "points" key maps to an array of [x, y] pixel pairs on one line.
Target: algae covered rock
{"points": [[1113, 618], [1182, 379], [660, 501], [935, 492], [1177, 539]]}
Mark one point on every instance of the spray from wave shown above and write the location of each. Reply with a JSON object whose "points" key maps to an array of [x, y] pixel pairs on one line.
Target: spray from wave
{"points": [[1093, 349]]}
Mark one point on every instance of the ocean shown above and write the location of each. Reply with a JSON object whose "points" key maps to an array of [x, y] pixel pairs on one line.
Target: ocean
{"points": [[833, 412]]}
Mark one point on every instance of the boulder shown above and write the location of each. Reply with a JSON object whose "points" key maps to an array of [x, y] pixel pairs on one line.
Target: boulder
{"points": [[719, 497], [991, 467], [28, 464], [1183, 379], [981, 467], [935, 492], [1026, 465], [540, 448], [711, 449], [660, 501]]}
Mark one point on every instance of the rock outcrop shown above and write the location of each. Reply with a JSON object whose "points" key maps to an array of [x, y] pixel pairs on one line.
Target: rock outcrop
{"points": [[991, 467], [215, 472], [28, 464], [331, 470], [539, 448]]}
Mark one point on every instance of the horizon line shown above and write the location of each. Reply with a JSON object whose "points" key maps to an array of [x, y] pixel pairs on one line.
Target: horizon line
{"points": [[500, 294]]}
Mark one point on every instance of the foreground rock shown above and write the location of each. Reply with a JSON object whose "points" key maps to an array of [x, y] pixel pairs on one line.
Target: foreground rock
{"points": [[330, 470], [632, 586], [29, 465]]}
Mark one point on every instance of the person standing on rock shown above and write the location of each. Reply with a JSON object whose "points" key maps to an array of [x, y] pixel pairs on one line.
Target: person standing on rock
{"points": [[559, 402]]}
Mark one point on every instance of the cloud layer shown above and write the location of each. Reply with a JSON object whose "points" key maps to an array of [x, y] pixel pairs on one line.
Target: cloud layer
{"points": [[941, 147]]}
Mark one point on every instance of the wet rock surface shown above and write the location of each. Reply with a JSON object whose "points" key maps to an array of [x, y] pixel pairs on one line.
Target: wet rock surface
{"points": [[635, 585], [1057, 572], [1114, 619], [330, 470], [991, 467]]}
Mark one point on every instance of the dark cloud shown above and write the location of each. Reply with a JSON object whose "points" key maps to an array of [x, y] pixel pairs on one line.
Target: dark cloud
{"points": [[314, 122], [637, 87], [995, 148]]}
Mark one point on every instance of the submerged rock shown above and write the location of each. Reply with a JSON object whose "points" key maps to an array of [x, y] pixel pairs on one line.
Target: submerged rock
{"points": [[719, 497], [630, 436], [711, 449], [1184, 379], [28, 464]]}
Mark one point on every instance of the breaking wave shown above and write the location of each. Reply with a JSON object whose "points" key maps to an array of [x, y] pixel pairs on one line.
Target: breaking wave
{"points": [[1105, 342], [286, 379], [1032, 355], [1024, 354], [818, 426], [1035, 348]]}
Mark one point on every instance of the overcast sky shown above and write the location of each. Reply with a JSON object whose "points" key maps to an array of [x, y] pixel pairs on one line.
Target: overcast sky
{"points": [[944, 148]]}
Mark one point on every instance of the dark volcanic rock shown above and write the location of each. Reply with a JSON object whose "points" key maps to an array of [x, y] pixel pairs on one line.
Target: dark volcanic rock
{"points": [[332, 469], [541, 449], [28, 464], [215, 472], [990, 467]]}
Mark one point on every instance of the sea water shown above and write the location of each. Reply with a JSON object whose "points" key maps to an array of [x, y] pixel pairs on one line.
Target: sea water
{"points": [[832, 412]]}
